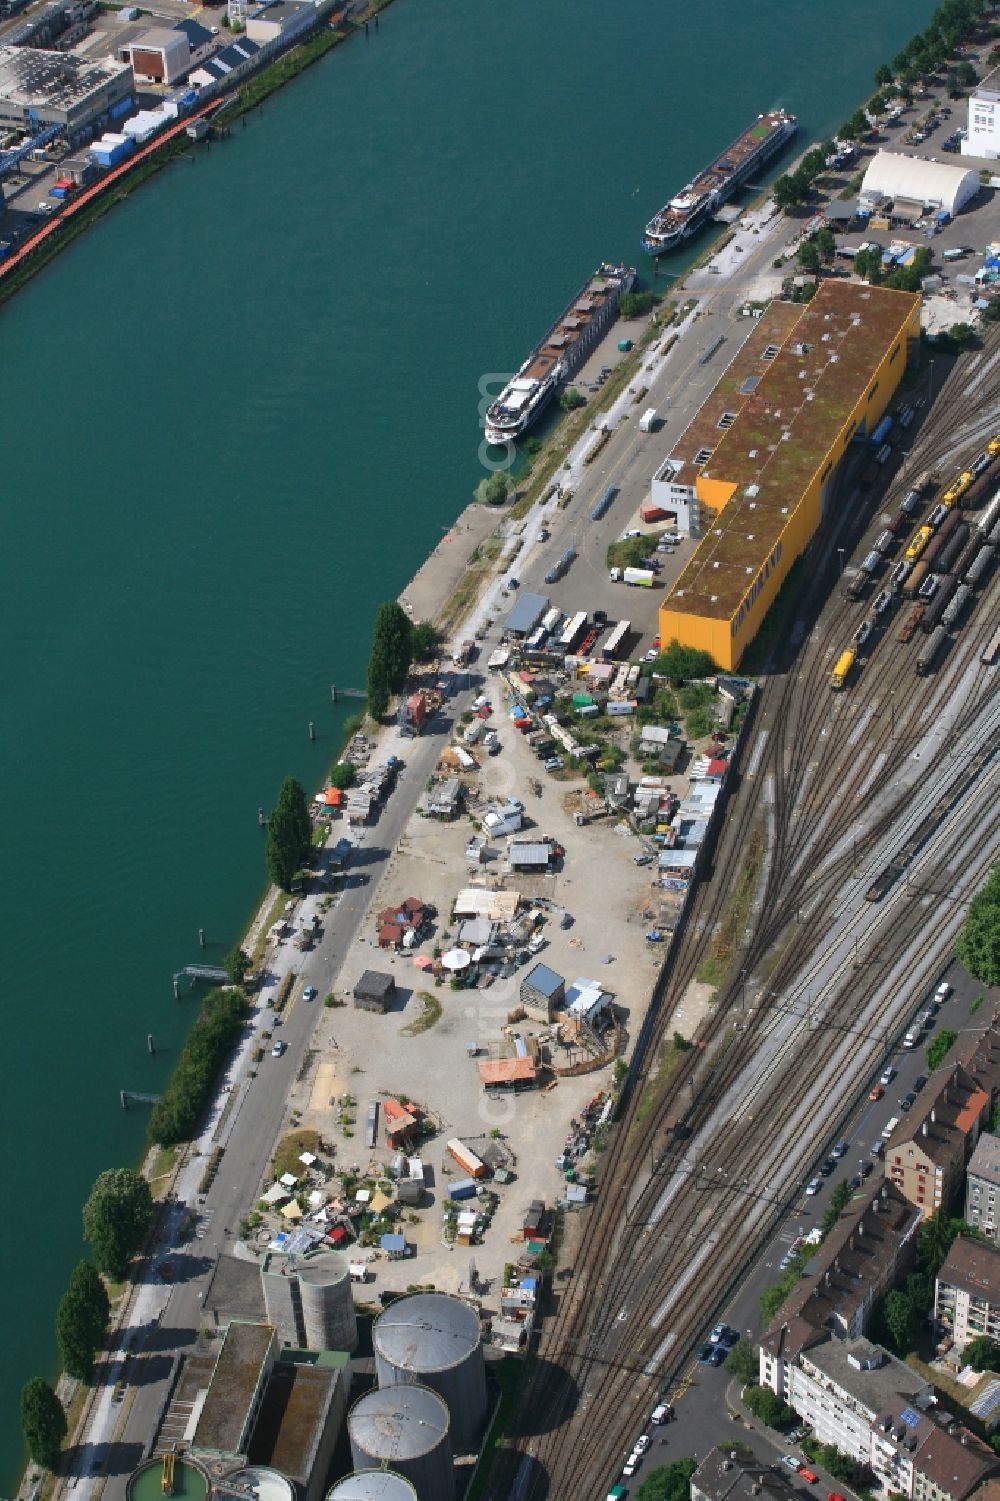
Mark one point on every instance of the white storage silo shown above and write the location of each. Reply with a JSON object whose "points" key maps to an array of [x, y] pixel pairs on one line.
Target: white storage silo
{"points": [[405, 1429], [373, 1485], [434, 1340]]}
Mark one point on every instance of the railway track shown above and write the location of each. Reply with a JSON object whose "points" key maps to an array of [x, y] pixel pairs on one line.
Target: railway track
{"points": [[665, 1243]]}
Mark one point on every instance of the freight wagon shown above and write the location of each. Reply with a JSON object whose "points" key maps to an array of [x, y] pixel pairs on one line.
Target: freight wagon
{"points": [[604, 503], [880, 432], [989, 653], [840, 673], [980, 567], [916, 578], [918, 542], [953, 614], [990, 516], [936, 608], [948, 555], [910, 624], [928, 657], [932, 551]]}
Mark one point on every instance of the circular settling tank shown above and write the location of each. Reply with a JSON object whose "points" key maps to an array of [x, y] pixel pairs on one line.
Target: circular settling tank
{"points": [[267, 1485], [190, 1483]]}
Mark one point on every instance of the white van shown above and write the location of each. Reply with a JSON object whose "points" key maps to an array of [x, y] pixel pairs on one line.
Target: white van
{"points": [[912, 1035], [889, 1127]]}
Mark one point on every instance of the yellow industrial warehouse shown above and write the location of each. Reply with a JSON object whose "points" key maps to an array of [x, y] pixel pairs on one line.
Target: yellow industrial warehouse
{"points": [[763, 466]]}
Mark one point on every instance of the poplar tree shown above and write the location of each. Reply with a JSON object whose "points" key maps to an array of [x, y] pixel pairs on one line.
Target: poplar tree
{"points": [[289, 834], [43, 1422], [82, 1320]]}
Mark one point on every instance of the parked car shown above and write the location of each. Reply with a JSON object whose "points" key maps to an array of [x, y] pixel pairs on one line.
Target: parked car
{"points": [[919, 1082], [792, 1463], [827, 1167], [943, 992], [908, 1100], [840, 1150], [642, 1443], [876, 1092], [279, 1047], [887, 1075], [813, 1187], [809, 1476], [310, 993], [553, 763]]}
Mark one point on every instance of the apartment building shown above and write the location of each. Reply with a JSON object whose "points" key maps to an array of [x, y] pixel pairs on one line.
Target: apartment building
{"points": [[720, 1477], [967, 1291], [926, 1155], [982, 1187], [879, 1412]]}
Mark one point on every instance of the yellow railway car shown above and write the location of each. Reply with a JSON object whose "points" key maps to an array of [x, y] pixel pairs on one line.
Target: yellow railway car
{"points": [[919, 542], [842, 670], [993, 446]]}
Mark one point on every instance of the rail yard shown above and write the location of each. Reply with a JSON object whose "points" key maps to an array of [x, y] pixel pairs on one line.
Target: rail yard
{"points": [[879, 808]]}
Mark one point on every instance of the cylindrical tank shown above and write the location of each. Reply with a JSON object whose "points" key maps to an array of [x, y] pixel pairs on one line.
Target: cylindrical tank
{"points": [[404, 1428], [328, 1303], [373, 1485], [434, 1339], [267, 1485]]}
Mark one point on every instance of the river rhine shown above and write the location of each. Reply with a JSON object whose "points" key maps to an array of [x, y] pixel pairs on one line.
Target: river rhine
{"points": [[235, 416]]}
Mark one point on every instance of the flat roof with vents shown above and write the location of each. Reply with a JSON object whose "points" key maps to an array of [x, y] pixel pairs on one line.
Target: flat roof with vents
{"points": [[735, 384], [785, 431]]}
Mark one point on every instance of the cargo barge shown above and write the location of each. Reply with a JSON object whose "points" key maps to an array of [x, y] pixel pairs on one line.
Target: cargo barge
{"points": [[560, 353], [686, 212]]}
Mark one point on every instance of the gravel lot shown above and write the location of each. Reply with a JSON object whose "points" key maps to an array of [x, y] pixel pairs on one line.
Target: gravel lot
{"points": [[369, 1055]]}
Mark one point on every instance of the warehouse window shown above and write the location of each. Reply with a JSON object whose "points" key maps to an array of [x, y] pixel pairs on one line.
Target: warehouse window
{"points": [[726, 420], [702, 456], [826, 473], [769, 353], [895, 352], [871, 393]]}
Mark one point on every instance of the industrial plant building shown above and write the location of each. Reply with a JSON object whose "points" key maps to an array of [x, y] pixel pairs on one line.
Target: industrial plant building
{"points": [[983, 130], [39, 88], [758, 464]]}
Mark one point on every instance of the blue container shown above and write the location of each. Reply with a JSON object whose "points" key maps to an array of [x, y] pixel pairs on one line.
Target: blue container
{"points": [[463, 1188], [123, 107]]}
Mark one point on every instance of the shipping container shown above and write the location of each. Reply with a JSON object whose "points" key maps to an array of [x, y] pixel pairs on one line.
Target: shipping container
{"points": [[616, 640], [466, 1158], [462, 1188], [616, 706]]}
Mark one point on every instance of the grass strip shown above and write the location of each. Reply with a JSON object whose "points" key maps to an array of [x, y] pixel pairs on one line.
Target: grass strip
{"points": [[722, 954], [431, 1013]]}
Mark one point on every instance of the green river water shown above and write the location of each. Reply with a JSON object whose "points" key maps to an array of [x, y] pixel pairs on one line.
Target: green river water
{"points": [[235, 416]]}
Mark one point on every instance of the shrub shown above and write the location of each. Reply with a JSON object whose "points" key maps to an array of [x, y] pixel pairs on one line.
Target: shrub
{"points": [[176, 1116]]}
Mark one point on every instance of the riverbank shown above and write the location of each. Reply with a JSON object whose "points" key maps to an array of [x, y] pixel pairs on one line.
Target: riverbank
{"points": [[174, 145], [222, 400]]}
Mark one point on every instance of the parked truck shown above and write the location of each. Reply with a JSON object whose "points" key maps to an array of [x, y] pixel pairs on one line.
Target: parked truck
{"points": [[643, 577], [647, 422]]}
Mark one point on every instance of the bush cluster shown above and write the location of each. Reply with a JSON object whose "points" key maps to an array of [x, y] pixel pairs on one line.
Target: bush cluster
{"points": [[176, 1116]]}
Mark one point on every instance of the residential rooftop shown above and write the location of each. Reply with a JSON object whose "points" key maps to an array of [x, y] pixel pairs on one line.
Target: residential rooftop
{"points": [[720, 1478], [985, 1160], [872, 1377], [783, 433], [946, 1110], [973, 1266], [852, 1263]]}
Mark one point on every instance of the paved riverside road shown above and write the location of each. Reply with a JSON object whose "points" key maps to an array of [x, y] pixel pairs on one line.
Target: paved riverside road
{"points": [[252, 1134]]}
